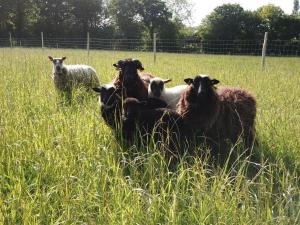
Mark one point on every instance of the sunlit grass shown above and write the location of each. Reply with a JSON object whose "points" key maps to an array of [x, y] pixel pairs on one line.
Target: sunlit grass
{"points": [[62, 165]]}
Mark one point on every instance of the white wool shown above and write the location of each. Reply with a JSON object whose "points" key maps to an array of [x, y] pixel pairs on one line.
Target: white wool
{"points": [[203, 75], [169, 95], [75, 75]]}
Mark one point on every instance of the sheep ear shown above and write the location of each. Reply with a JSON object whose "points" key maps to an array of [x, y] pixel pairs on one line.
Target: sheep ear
{"points": [[167, 81], [64, 58], [119, 64], [214, 81], [188, 81], [141, 68], [51, 58], [98, 89], [139, 65]]}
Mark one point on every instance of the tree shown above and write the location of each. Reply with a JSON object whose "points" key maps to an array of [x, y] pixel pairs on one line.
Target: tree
{"points": [[224, 23], [286, 28], [125, 17], [296, 7], [181, 10], [251, 26], [6, 17], [55, 17], [269, 15], [154, 14], [87, 14]]}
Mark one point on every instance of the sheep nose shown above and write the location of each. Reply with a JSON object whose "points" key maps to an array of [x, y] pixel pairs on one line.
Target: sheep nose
{"points": [[57, 67]]}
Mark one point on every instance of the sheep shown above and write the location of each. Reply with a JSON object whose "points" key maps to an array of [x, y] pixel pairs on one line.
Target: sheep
{"points": [[129, 81], [219, 114], [171, 96], [66, 77], [110, 104], [166, 124]]}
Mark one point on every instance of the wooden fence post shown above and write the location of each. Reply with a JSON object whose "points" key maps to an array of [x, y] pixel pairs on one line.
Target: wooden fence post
{"points": [[154, 47], [264, 51]]}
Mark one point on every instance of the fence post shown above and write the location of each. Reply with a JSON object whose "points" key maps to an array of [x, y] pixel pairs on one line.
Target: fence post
{"points": [[10, 40], [88, 43], [42, 38], [264, 50], [154, 47]]}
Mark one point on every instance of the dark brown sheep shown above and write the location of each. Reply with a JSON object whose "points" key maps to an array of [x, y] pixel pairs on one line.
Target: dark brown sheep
{"points": [[129, 81], [164, 124], [219, 114], [110, 104]]}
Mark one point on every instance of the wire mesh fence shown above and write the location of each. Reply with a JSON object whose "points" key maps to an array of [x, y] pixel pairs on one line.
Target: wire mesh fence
{"points": [[196, 46]]}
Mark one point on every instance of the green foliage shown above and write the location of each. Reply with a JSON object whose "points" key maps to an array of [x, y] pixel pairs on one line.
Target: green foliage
{"points": [[231, 22], [139, 19], [224, 23], [154, 14], [126, 21], [181, 10], [62, 165], [296, 7]]}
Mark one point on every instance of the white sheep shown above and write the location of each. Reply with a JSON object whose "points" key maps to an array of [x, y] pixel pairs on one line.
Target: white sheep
{"points": [[66, 77], [171, 95]]}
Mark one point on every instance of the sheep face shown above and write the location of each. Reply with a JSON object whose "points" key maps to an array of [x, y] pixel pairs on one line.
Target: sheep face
{"points": [[108, 95], [57, 64], [129, 69], [157, 86], [132, 108], [201, 86]]}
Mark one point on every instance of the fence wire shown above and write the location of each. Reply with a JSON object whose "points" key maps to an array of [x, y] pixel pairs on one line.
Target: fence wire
{"points": [[196, 46]]}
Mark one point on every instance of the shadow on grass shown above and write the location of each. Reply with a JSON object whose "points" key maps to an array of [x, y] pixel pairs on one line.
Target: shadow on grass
{"points": [[235, 160]]}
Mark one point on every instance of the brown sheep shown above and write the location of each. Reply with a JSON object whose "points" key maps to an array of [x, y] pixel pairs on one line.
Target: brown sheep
{"points": [[164, 124], [129, 81], [219, 114]]}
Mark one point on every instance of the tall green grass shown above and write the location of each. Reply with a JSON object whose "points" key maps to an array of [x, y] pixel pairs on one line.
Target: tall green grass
{"points": [[62, 165]]}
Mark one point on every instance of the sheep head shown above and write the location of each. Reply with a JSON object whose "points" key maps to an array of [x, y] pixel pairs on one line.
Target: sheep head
{"points": [[108, 95], [128, 70], [58, 64], [132, 108], [157, 86], [201, 86]]}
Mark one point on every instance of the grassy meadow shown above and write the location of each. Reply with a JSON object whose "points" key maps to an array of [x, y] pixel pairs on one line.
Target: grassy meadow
{"points": [[62, 165]]}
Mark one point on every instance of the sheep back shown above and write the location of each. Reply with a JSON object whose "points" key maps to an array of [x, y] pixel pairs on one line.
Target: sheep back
{"points": [[75, 76]]}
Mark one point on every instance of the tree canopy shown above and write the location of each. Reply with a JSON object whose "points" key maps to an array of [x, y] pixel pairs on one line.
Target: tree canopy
{"points": [[231, 21], [139, 19]]}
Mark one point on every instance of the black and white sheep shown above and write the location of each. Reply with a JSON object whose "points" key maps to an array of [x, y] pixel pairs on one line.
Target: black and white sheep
{"points": [[129, 81], [220, 114], [66, 77], [171, 96], [166, 125], [110, 104]]}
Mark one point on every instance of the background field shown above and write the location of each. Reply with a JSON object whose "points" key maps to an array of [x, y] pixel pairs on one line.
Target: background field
{"points": [[62, 165]]}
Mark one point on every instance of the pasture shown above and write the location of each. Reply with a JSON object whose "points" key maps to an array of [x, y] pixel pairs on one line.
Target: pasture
{"points": [[62, 165]]}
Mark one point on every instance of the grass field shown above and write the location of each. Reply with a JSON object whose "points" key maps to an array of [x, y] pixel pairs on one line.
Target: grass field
{"points": [[62, 165]]}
